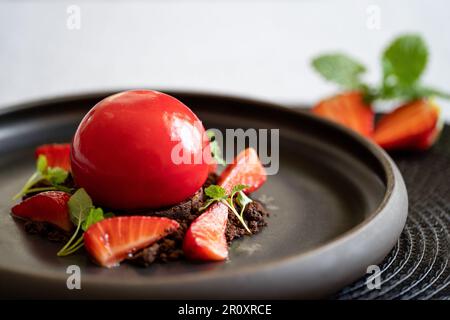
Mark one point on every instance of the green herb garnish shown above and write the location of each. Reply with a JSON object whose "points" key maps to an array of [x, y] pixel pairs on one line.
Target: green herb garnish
{"points": [[215, 148], [340, 69], [52, 178], [80, 205], [217, 193], [403, 63], [83, 214]]}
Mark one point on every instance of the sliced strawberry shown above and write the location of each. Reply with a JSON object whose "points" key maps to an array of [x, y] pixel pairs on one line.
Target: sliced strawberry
{"points": [[49, 206], [349, 110], [112, 240], [245, 169], [57, 154], [413, 126], [205, 238]]}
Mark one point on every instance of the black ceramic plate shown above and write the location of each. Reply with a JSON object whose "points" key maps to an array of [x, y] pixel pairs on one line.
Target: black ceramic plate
{"points": [[338, 205]]}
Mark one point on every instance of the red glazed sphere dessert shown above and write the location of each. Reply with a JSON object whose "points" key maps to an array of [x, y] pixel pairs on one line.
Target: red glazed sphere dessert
{"points": [[140, 149]]}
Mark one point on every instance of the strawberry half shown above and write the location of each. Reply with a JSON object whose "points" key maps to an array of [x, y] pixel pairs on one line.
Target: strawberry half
{"points": [[57, 154], [429, 139], [245, 169], [112, 240], [49, 206], [413, 126], [349, 110], [205, 239]]}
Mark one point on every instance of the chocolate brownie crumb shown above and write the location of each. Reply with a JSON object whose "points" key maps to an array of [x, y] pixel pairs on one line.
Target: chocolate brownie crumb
{"points": [[146, 256], [255, 216], [46, 230], [212, 179], [181, 210]]}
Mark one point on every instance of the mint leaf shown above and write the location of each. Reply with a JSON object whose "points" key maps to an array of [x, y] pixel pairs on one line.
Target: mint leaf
{"points": [[215, 192], [216, 152], [341, 69], [56, 175], [207, 204], [404, 60], [80, 205], [95, 215], [237, 188], [41, 164], [243, 200]]}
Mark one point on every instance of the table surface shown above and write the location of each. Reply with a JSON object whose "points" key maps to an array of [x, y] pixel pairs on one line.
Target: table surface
{"points": [[419, 266], [258, 49]]}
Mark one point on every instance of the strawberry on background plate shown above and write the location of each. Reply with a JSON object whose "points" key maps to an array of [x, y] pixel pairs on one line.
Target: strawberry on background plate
{"points": [[50, 207], [415, 125], [57, 154], [412, 126], [349, 110], [113, 239], [205, 238]]}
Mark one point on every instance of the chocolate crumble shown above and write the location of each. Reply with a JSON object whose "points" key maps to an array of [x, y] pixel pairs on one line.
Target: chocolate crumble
{"points": [[170, 247]]}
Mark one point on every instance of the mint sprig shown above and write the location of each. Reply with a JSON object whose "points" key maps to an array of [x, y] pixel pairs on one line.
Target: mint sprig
{"points": [[403, 63], [53, 177], [217, 193], [83, 214]]}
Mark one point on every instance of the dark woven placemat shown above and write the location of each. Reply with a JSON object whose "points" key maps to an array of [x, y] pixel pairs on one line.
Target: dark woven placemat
{"points": [[418, 267]]}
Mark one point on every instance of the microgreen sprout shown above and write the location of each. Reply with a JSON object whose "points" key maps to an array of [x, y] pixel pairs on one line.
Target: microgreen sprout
{"points": [[217, 193]]}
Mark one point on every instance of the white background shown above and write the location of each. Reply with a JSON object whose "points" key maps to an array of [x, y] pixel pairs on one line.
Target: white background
{"points": [[258, 49]]}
